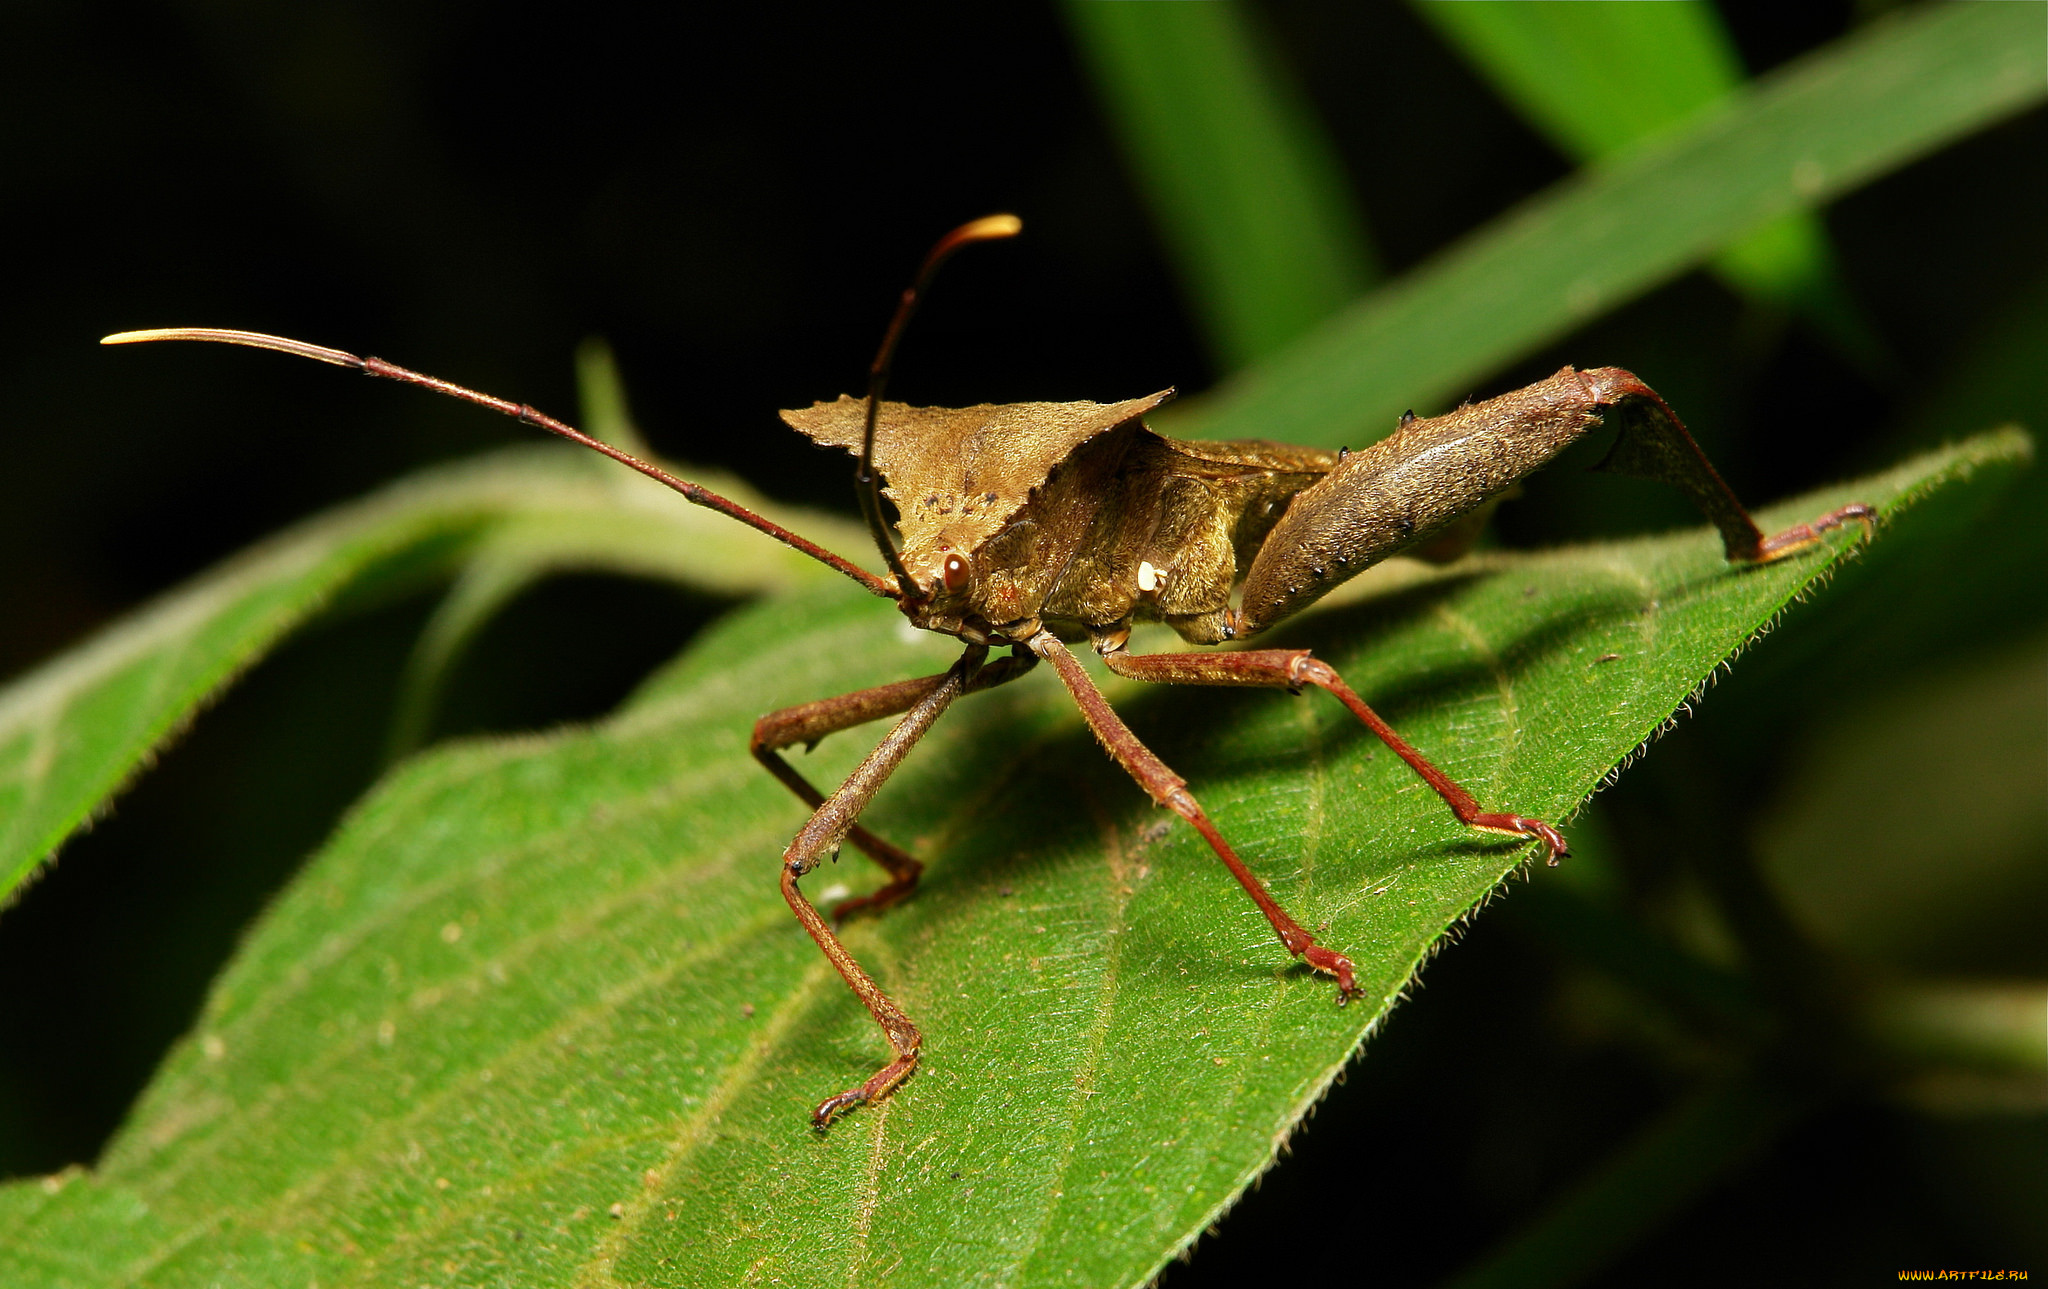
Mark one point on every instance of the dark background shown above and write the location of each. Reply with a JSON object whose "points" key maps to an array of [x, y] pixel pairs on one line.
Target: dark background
{"points": [[471, 189]]}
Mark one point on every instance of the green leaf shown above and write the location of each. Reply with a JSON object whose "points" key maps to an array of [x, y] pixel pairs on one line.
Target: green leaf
{"points": [[1241, 181], [1602, 79], [74, 731], [1870, 103], [539, 1016]]}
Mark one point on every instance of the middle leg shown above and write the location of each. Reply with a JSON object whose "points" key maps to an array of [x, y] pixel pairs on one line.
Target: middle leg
{"points": [[1170, 790], [1290, 669]]}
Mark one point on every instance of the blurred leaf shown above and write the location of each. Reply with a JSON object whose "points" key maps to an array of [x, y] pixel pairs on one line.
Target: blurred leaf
{"points": [[601, 399], [1940, 782], [1898, 89], [73, 731], [538, 1014], [1993, 1028], [1603, 79], [1240, 179], [520, 555]]}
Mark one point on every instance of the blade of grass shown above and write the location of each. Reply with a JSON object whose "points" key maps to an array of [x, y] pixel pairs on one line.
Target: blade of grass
{"points": [[1895, 91], [1241, 181], [1596, 79], [1599, 80]]}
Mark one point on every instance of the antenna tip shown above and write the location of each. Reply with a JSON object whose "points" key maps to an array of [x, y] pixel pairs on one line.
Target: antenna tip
{"points": [[990, 227], [254, 339]]}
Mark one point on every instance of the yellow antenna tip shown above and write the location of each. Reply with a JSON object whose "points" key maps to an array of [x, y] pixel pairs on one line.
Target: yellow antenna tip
{"points": [[990, 227], [254, 339]]}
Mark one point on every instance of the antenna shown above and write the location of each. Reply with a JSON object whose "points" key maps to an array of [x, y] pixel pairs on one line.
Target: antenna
{"points": [[521, 412], [986, 229]]}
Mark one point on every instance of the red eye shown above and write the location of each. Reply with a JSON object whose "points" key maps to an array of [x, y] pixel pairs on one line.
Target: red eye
{"points": [[954, 575]]}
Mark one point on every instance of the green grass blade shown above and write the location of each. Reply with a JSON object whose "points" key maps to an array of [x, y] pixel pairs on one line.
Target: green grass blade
{"points": [[1599, 80], [1596, 79], [1240, 179], [1789, 263], [538, 1014], [1875, 101], [73, 731]]}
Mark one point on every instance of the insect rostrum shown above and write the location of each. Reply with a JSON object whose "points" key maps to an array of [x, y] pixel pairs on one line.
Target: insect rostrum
{"points": [[1030, 525]]}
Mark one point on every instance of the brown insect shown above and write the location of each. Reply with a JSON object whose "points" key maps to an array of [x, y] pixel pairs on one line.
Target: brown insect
{"points": [[1028, 524]]}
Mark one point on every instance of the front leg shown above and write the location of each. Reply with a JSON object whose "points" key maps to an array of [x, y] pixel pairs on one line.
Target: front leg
{"points": [[828, 827], [1291, 669], [806, 723]]}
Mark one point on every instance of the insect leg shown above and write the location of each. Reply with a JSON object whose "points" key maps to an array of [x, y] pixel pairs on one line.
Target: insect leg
{"points": [[1291, 669], [828, 826], [1170, 790], [807, 723], [1418, 489], [1654, 444]]}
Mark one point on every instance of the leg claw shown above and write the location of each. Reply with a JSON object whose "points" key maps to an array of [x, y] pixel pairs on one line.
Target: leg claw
{"points": [[1335, 964], [1553, 840], [832, 1107], [1518, 826]]}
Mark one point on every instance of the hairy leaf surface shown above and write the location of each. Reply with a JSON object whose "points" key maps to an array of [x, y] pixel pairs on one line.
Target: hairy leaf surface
{"points": [[538, 1015]]}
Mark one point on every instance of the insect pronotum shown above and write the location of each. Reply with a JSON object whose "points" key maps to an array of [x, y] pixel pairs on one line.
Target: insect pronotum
{"points": [[1027, 525]]}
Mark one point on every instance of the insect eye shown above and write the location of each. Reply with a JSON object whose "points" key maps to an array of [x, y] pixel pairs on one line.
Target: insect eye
{"points": [[954, 575]]}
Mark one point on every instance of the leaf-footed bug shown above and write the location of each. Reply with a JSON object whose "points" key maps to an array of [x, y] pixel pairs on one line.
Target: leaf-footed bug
{"points": [[1026, 525]]}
